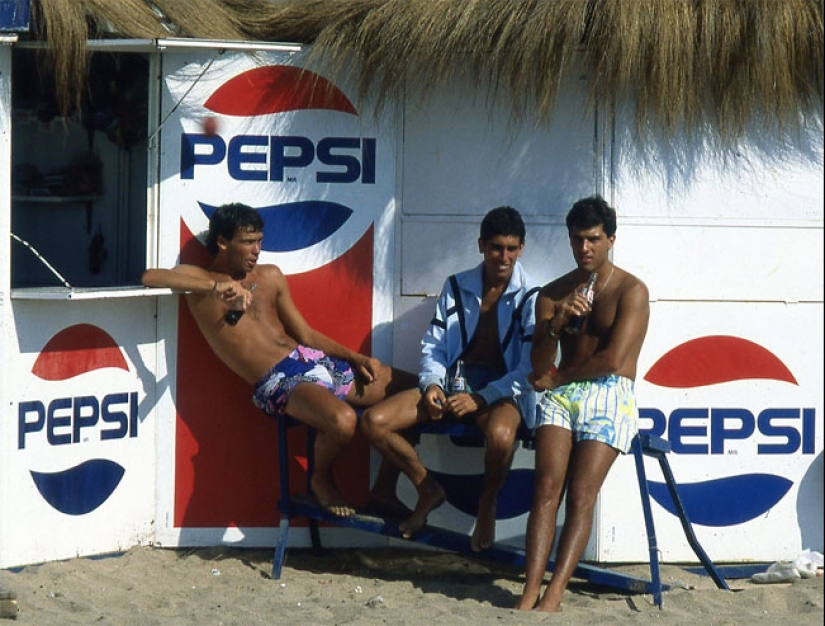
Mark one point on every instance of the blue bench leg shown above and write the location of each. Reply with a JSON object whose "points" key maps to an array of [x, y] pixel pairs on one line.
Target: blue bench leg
{"points": [[280, 548], [653, 548], [284, 504], [687, 526]]}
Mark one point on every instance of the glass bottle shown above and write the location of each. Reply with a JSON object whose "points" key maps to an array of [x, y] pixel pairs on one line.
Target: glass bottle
{"points": [[574, 326], [458, 384]]}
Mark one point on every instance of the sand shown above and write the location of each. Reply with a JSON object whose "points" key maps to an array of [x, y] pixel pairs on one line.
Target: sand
{"points": [[146, 585]]}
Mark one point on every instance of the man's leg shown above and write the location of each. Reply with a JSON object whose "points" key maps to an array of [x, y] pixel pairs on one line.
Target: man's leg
{"points": [[381, 425], [334, 422], [389, 381], [383, 500], [589, 464], [553, 448], [499, 423]]}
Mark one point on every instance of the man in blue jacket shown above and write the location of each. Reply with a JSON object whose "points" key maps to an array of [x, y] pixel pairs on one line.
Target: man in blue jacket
{"points": [[484, 317]]}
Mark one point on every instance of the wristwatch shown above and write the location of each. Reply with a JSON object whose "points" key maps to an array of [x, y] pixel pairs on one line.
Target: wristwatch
{"points": [[552, 332]]}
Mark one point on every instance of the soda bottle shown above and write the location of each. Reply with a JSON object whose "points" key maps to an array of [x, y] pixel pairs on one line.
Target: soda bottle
{"points": [[574, 326], [458, 384], [234, 314]]}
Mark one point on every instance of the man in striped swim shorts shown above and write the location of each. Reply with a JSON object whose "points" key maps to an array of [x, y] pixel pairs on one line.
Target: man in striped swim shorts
{"points": [[602, 409], [586, 414]]}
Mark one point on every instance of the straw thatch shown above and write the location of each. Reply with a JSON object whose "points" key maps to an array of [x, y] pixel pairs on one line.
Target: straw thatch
{"points": [[706, 66]]}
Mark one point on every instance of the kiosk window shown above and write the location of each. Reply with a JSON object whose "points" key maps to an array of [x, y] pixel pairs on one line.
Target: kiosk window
{"points": [[79, 181]]}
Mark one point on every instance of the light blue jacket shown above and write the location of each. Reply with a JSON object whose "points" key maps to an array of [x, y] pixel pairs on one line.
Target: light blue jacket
{"points": [[454, 323]]}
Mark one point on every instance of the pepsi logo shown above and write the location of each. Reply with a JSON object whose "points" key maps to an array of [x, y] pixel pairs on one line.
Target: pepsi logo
{"points": [[70, 420], [704, 429], [289, 143]]}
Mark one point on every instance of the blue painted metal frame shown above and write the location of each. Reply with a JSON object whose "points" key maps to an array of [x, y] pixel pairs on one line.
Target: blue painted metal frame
{"points": [[658, 448], [15, 16], [302, 506]]}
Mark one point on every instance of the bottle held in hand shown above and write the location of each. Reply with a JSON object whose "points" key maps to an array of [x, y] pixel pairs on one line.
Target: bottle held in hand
{"points": [[574, 326], [234, 314], [458, 384]]}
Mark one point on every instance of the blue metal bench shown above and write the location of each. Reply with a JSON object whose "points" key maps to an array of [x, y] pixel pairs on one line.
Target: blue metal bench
{"points": [[294, 506]]}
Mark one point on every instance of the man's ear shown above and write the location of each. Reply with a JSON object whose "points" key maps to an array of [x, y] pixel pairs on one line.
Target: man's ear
{"points": [[480, 245], [222, 242]]}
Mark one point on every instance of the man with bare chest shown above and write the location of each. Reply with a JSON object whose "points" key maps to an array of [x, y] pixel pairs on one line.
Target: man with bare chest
{"points": [[587, 411], [293, 368], [484, 317]]}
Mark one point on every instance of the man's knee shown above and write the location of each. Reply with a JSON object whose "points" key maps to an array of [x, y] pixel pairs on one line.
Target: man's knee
{"points": [[374, 423], [379, 421], [581, 498], [547, 493], [343, 420], [500, 429], [501, 438]]}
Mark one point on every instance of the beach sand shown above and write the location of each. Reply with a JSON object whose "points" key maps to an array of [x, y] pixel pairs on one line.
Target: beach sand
{"points": [[220, 585]]}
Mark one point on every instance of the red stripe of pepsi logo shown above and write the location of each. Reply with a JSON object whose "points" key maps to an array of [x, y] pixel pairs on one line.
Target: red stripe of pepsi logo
{"points": [[277, 89], [76, 350], [716, 359]]}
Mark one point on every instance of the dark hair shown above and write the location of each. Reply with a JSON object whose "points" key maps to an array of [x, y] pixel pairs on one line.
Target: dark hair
{"points": [[591, 212], [228, 219], [503, 220]]}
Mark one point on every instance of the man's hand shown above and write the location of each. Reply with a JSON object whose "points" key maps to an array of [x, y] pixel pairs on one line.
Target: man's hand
{"points": [[463, 404], [368, 368], [573, 304], [229, 291], [544, 382], [435, 402]]}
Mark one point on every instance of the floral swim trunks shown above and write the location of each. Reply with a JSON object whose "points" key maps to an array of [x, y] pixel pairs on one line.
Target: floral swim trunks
{"points": [[302, 365], [602, 409]]}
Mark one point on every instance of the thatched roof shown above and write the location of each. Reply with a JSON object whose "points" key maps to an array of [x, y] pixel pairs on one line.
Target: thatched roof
{"points": [[707, 66]]}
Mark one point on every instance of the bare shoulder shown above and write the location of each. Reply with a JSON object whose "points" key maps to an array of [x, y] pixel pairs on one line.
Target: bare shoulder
{"points": [[269, 277], [632, 287]]}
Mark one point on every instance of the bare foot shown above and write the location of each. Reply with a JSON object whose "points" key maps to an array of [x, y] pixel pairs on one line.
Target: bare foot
{"points": [[484, 533], [526, 603], [430, 497], [330, 498], [549, 603]]}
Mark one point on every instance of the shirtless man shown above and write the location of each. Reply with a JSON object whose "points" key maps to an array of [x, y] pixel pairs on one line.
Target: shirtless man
{"points": [[293, 368], [485, 317], [587, 411]]}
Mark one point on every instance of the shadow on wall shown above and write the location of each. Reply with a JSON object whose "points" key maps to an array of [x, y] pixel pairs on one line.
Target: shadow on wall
{"points": [[809, 506], [412, 317]]}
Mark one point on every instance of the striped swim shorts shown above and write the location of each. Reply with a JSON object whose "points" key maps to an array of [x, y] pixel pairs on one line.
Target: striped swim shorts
{"points": [[302, 365], [602, 409]]}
